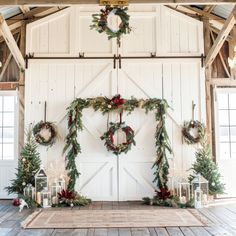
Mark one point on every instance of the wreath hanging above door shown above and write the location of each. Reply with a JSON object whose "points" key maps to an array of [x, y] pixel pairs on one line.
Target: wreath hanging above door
{"points": [[102, 22]]}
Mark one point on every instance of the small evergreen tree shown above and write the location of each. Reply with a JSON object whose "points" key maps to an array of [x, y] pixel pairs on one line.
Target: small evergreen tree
{"points": [[205, 166], [29, 164]]}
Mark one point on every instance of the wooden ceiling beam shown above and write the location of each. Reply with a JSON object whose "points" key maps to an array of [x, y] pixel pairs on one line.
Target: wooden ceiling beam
{"points": [[70, 2], [24, 9], [216, 31], [215, 21], [229, 24], [11, 43], [209, 8], [9, 85], [223, 82], [205, 14]]}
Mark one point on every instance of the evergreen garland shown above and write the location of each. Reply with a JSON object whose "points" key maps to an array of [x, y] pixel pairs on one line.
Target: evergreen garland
{"points": [[74, 125], [29, 164], [161, 164], [105, 105]]}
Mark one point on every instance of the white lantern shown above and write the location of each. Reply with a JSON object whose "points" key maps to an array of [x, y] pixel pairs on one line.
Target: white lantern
{"points": [[172, 184], [183, 191], [55, 189], [41, 182], [29, 191], [61, 182], [200, 182], [45, 198], [198, 196]]}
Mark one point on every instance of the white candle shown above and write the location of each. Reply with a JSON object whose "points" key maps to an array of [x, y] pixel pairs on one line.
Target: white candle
{"points": [[45, 202], [38, 198], [54, 200], [205, 198], [183, 200]]}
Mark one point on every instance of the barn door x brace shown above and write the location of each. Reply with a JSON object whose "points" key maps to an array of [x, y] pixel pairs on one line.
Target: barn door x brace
{"points": [[114, 58]]}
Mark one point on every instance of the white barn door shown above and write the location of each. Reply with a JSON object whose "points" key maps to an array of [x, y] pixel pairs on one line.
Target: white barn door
{"points": [[98, 168], [128, 176], [141, 79]]}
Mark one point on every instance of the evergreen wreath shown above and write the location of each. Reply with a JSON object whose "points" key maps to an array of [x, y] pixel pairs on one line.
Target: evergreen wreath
{"points": [[100, 22], [45, 133], [105, 105], [188, 127], [109, 138]]}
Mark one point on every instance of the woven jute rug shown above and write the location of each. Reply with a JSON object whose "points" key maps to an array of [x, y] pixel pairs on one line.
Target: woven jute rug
{"points": [[75, 218]]}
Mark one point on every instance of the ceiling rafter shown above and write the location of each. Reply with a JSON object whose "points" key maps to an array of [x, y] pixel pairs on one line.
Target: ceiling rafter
{"points": [[228, 25], [11, 43], [24, 8]]}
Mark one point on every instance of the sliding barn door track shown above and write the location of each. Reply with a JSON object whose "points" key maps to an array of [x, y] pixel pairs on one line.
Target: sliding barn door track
{"points": [[114, 58]]}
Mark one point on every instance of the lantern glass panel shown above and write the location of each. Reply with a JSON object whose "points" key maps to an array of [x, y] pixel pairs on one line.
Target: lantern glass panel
{"points": [[61, 182], [29, 191], [183, 191], [173, 184], [199, 182], [41, 180], [198, 198], [45, 198], [55, 189]]}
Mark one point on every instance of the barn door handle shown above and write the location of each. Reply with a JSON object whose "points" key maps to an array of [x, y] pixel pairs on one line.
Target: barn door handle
{"points": [[114, 61], [119, 61]]}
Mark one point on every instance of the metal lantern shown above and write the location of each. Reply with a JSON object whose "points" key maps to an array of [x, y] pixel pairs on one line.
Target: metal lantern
{"points": [[61, 181], [29, 191], [45, 198], [199, 182], [183, 191], [55, 189], [41, 182]]}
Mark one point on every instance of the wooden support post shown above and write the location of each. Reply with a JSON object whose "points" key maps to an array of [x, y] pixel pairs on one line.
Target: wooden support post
{"points": [[228, 25], [232, 51], [11, 43], [207, 46], [21, 92]]}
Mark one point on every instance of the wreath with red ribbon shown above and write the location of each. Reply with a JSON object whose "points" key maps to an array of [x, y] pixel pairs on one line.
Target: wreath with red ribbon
{"points": [[45, 133], [109, 138], [100, 22]]}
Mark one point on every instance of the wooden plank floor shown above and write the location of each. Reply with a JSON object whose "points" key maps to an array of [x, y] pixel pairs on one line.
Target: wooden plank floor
{"points": [[223, 218]]}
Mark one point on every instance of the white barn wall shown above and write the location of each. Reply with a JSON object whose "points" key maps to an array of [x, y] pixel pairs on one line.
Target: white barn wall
{"points": [[181, 81]]}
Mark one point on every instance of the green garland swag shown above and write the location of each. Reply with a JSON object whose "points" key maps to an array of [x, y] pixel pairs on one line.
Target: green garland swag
{"points": [[109, 138], [100, 23], [105, 105], [189, 138], [39, 137]]}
